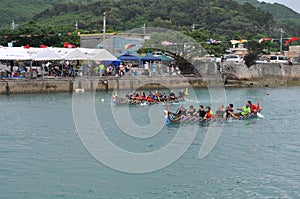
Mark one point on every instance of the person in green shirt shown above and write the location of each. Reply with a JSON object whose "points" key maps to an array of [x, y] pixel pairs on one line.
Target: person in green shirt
{"points": [[244, 110], [102, 69]]}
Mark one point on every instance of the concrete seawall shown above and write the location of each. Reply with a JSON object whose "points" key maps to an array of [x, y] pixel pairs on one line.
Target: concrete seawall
{"points": [[234, 75], [18, 86]]}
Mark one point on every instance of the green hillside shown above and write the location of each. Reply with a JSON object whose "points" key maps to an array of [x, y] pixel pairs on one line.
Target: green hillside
{"points": [[23, 10], [276, 9], [284, 16], [219, 19], [223, 17]]}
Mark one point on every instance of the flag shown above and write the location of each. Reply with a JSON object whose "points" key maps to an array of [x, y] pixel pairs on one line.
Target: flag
{"points": [[258, 105], [213, 41], [127, 46], [43, 46], [68, 45], [291, 40], [264, 39], [238, 41], [186, 92], [27, 46]]}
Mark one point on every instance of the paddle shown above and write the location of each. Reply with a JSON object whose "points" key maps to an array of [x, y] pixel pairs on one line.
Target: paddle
{"points": [[232, 114], [259, 115]]}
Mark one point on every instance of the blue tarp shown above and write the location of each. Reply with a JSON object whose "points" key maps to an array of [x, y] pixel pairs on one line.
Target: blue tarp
{"points": [[114, 63], [148, 57], [128, 57]]}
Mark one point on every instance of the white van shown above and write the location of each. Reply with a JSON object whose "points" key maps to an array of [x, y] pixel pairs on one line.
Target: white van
{"points": [[278, 59], [232, 58]]}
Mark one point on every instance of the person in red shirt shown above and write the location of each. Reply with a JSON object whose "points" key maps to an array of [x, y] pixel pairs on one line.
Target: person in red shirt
{"points": [[253, 107], [137, 97], [144, 97], [208, 113], [149, 99]]}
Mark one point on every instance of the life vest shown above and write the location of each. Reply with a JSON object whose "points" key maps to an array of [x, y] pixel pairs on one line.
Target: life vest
{"points": [[253, 108], [209, 114], [144, 98], [150, 99]]}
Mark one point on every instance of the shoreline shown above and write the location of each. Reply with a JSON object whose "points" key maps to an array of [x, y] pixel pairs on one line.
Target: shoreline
{"points": [[58, 85], [232, 76]]}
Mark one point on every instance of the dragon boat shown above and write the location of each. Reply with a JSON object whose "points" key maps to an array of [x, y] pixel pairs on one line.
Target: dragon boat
{"points": [[124, 101], [175, 118]]}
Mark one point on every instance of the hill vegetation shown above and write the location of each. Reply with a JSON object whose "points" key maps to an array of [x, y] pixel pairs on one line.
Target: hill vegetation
{"points": [[285, 17], [23, 10], [219, 19]]}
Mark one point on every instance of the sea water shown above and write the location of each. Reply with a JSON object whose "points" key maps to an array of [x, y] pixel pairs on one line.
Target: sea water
{"points": [[42, 154]]}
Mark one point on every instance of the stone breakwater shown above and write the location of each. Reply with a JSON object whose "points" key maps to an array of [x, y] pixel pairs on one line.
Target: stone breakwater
{"points": [[261, 75], [233, 75]]}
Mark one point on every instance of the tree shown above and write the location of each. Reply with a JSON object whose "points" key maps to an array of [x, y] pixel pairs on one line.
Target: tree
{"points": [[182, 47], [254, 50]]}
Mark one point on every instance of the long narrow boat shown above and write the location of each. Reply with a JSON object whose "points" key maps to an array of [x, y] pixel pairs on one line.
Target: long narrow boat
{"points": [[125, 101], [175, 118]]}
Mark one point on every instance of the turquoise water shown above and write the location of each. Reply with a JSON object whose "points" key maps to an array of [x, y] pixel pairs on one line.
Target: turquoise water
{"points": [[42, 156]]}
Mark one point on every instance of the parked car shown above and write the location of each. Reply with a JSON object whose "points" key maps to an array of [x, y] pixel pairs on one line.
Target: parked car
{"points": [[261, 60], [278, 59], [232, 58]]}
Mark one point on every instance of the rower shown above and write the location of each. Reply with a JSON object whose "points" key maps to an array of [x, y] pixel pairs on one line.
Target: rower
{"points": [[244, 110], [137, 97], [208, 113], [201, 111], [191, 110], [229, 111], [172, 96], [144, 97], [253, 107], [220, 113], [181, 110], [181, 94]]}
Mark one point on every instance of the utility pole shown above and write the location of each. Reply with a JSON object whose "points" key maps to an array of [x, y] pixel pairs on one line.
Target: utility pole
{"points": [[281, 32], [76, 25], [104, 26], [193, 27], [144, 29], [13, 25]]}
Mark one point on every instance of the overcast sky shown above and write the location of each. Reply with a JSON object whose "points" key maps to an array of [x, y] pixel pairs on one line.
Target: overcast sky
{"points": [[294, 4]]}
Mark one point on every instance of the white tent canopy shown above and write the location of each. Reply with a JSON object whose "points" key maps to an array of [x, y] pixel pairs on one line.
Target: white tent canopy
{"points": [[63, 52], [45, 55], [48, 54], [11, 53], [98, 54], [102, 54], [76, 55]]}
